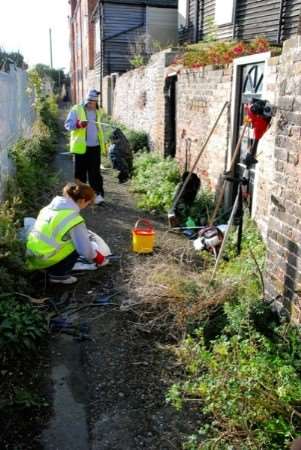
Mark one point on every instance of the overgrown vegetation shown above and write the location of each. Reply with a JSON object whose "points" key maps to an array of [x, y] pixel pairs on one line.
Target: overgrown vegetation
{"points": [[57, 76], [238, 365], [155, 179], [21, 326], [220, 53], [244, 374]]}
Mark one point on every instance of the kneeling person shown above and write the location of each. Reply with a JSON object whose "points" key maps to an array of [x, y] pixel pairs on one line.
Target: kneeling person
{"points": [[60, 235]]}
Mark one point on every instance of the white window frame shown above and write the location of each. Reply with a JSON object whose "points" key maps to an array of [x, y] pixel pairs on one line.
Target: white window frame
{"points": [[224, 12], [183, 6], [236, 86]]}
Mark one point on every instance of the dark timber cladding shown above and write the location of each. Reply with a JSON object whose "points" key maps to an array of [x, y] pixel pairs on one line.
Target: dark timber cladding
{"points": [[123, 24], [277, 20], [255, 18], [291, 14]]}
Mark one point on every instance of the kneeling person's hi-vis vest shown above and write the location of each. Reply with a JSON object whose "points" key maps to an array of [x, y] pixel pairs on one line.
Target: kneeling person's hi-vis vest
{"points": [[49, 242], [78, 136]]}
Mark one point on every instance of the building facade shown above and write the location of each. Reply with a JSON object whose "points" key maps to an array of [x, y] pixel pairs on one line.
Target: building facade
{"points": [[277, 20], [106, 35]]}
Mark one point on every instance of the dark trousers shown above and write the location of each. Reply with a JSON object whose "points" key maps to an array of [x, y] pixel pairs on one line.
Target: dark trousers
{"points": [[63, 268], [88, 164]]}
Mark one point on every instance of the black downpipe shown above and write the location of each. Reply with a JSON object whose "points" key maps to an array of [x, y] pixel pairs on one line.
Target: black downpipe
{"points": [[196, 21], [234, 19], [280, 22]]}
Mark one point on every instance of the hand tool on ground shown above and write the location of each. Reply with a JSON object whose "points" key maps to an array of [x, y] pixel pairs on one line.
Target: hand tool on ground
{"points": [[230, 221], [171, 213], [105, 299]]}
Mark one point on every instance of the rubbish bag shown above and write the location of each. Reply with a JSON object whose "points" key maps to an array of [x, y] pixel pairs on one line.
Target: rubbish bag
{"points": [[26, 229], [99, 244]]}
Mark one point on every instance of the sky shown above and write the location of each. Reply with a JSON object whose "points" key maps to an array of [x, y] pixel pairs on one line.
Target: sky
{"points": [[24, 26]]}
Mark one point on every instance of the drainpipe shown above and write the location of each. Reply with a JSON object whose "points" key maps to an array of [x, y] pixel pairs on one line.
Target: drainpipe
{"points": [[280, 22], [101, 31], [81, 46], [234, 19]]}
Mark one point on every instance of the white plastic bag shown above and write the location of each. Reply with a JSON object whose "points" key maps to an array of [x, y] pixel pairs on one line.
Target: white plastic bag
{"points": [[26, 229], [99, 244]]}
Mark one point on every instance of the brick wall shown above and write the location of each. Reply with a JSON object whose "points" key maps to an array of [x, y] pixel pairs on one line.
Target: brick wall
{"points": [[201, 94], [139, 103], [283, 271], [139, 100]]}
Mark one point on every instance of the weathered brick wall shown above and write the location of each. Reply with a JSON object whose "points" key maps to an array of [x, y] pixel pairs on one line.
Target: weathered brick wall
{"points": [[283, 271], [139, 100], [16, 116], [265, 167], [201, 94]]}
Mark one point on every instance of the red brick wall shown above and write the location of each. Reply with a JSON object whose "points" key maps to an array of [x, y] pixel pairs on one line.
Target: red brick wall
{"points": [[283, 271], [201, 94]]}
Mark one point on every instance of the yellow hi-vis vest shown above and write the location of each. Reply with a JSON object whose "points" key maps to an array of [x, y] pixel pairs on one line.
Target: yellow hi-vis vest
{"points": [[78, 137], [49, 242]]}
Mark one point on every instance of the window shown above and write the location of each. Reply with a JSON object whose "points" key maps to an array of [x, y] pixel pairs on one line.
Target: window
{"points": [[182, 13], [224, 12]]}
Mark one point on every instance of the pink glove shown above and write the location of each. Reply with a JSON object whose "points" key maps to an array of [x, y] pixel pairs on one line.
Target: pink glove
{"points": [[81, 124], [99, 259]]}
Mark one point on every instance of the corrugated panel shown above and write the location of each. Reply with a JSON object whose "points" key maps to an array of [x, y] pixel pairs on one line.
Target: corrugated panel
{"points": [[257, 17], [208, 14], [122, 25], [253, 18], [291, 17], [121, 18]]}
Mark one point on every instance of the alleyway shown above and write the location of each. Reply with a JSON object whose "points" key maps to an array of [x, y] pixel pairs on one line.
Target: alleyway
{"points": [[108, 393]]}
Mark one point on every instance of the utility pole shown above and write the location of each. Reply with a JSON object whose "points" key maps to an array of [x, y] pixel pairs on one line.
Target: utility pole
{"points": [[50, 44]]}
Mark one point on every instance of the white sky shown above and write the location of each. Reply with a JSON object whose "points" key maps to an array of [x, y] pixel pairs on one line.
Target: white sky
{"points": [[24, 26]]}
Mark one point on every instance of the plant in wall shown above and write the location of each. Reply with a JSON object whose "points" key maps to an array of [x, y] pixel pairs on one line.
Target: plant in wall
{"points": [[220, 53]]}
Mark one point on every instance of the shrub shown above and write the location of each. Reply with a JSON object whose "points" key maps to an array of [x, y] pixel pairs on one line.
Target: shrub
{"points": [[21, 328], [248, 389], [221, 53], [137, 140], [12, 251], [155, 180], [202, 208], [246, 379], [137, 61]]}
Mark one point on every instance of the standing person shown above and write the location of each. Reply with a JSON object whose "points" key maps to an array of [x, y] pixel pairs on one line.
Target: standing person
{"points": [[87, 142], [59, 236]]}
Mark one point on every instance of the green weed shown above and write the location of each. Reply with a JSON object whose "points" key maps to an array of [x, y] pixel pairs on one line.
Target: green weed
{"points": [[155, 180]]}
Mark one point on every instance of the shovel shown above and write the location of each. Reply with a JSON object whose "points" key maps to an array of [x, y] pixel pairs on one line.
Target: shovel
{"points": [[171, 213]]}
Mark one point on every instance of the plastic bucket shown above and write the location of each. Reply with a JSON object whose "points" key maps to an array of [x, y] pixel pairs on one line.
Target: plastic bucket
{"points": [[143, 236]]}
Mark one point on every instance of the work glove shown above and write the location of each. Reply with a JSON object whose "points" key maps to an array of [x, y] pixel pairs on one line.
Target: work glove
{"points": [[81, 123], [99, 259]]}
